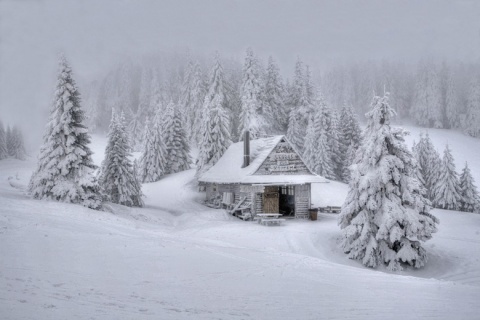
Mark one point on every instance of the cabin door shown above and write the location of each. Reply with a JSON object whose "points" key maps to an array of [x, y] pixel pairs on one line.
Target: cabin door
{"points": [[270, 200]]}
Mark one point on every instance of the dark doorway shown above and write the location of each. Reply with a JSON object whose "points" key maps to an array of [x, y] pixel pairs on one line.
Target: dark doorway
{"points": [[287, 201]]}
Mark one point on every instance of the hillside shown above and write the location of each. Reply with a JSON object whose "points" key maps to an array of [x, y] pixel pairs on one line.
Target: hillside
{"points": [[177, 259]]}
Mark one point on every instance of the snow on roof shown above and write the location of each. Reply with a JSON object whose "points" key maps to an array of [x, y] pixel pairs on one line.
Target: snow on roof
{"points": [[229, 169]]}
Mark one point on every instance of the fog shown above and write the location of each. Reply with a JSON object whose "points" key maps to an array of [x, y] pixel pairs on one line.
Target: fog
{"points": [[97, 34]]}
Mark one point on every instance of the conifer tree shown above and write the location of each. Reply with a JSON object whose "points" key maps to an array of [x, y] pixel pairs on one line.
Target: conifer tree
{"points": [[65, 167], [427, 105], [153, 160], [446, 190], [349, 139], [3, 142], [429, 164], [299, 105], [175, 138], [470, 198], [274, 106], [317, 154], [10, 141], [193, 95], [215, 131], [250, 118], [117, 176], [385, 216], [18, 147], [472, 125]]}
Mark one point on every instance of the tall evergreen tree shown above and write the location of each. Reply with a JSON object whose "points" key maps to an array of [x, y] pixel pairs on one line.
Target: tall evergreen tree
{"points": [[470, 198], [215, 131], [318, 153], [175, 138], [117, 176], [153, 160], [65, 167], [299, 106], [472, 125], [18, 146], [3, 142], [446, 190], [274, 109], [250, 118], [427, 105], [385, 216], [10, 141], [429, 163], [350, 136], [193, 95]]}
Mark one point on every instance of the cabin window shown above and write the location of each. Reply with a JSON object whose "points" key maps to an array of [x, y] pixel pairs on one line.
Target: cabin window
{"points": [[288, 190]]}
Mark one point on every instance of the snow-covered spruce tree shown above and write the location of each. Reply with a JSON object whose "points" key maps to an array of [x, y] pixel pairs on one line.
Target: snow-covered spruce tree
{"points": [[117, 178], [472, 125], [18, 146], [216, 135], [350, 136], [175, 139], [429, 163], [385, 216], [470, 198], [193, 95], [446, 190], [317, 154], [10, 141], [298, 104], [215, 130], [65, 170], [274, 108], [333, 138], [3, 142], [153, 160], [426, 109], [250, 118]]}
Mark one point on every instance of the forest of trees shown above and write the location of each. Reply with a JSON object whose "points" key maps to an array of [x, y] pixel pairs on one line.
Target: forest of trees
{"points": [[430, 94]]}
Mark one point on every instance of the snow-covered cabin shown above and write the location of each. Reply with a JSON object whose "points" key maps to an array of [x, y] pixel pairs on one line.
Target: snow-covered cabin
{"points": [[267, 172]]}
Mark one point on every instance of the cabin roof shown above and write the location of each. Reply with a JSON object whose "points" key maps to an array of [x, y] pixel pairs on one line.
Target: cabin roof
{"points": [[229, 169]]}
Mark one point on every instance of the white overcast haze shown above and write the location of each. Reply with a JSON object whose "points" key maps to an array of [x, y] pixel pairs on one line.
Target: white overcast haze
{"points": [[96, 34]]}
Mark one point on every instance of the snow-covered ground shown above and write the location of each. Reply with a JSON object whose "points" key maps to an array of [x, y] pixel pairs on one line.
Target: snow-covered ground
{"points": [[177, 259]]}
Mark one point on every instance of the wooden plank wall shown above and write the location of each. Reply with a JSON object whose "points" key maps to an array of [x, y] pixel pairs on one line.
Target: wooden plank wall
{"points": [[302, 200], [258, 203]]}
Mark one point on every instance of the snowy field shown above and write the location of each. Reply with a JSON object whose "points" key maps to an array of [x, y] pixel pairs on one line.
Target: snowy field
{"points": [[177, 259]]}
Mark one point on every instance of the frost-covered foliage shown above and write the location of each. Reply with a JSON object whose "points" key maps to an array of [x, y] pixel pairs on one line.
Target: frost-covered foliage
{"points": [[117, 177], [274, 108], [3, 142], [153, 160], [175, 139], [65, 167], [472, 121], [300, 105], [10, 141], [16, 144], [385, 216], [446, 190], [318, 143], [426, 110], [215, 131], [250, 118], [350, 136], [192, 98], [429, 163], [470, 198]]}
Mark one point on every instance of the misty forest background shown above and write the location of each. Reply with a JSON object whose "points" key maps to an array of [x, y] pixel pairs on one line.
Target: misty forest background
{"points": [[431, 94]]}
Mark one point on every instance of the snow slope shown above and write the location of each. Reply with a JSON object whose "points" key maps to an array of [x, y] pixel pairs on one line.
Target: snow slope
{"points": [[177, 259]]}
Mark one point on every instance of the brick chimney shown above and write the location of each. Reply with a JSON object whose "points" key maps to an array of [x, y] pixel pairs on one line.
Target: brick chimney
{"points": [[246, 149]]}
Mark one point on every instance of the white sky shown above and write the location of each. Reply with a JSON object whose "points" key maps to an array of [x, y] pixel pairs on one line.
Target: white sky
{"points": [[96, 34]]}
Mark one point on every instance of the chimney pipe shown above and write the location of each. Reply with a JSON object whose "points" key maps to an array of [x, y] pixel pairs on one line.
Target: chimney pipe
{"points": [[246, 149]]}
